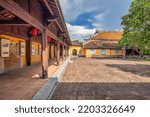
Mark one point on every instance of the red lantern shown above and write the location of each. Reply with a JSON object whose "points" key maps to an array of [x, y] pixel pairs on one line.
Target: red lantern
{"points": [[34, 32], [48, 39]]}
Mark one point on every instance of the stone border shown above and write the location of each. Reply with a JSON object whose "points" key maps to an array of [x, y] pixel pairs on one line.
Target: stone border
{"points": [[47, 90]]}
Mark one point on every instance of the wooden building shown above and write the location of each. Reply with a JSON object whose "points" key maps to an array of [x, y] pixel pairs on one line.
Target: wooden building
{"points": [[31, 31], [102, 44]]}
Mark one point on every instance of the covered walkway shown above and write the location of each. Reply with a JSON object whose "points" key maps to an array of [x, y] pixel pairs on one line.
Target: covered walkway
{"points": [[25, 82]]}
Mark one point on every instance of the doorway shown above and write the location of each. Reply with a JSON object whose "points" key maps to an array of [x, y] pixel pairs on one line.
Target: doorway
{"points": [[74, 52]]}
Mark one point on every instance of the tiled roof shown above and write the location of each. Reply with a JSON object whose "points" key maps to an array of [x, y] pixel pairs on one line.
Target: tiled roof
{"points": [[101, 44], [76, 43], [115, 35], [103, 39]]}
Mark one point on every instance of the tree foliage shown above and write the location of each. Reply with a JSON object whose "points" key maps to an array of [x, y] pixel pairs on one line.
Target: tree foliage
{"points": [[136, 26]]}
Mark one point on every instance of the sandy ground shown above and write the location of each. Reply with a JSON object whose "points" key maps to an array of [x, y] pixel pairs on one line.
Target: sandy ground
{"points": [[105, 79]]}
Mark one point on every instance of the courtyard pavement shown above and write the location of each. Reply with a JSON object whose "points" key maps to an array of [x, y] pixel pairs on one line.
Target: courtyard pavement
{"points": [[100, 79], [24, 83]]}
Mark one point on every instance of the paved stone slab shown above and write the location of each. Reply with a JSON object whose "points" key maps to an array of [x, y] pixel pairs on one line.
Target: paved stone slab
{"points": [[96, 79], [47, 90]]}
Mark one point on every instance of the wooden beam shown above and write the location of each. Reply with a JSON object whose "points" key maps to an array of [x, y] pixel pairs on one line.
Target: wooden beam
{"points": [[53, 19], [62, 17], [15, 21], [14, 8], [49, 33], [51, 2], [47, 5]]}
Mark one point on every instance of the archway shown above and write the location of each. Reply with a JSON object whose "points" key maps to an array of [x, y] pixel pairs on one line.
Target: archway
{"points": [[74, 52]]}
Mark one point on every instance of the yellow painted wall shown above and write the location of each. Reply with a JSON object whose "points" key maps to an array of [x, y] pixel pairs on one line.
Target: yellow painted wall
{"points": [[37, 57], [120, 52], [17, 41], [78, 48], [112, 52], [109, 53], [86, 52], [82, 52]]}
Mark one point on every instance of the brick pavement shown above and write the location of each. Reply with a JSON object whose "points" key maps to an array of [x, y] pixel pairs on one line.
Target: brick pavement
{"points": [[104, 79]]}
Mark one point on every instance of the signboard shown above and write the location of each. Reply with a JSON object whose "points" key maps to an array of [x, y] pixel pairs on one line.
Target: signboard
{"points": [[22, 48], [33, 49], [5, 44], [36, 51]]}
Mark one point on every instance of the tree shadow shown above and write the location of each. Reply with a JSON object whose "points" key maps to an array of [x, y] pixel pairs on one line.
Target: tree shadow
{"points": [[138, 69], [102, 91]]}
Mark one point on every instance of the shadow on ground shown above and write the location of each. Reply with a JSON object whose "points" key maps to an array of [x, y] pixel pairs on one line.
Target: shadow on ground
{"points": [[138, 69], [102, 91]]}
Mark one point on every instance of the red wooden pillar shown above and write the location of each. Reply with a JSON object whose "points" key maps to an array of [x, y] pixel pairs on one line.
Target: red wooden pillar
{"points": [[44, 55]]}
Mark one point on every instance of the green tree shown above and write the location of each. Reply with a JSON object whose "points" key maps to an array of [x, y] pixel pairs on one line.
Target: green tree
{"points": [[136, 26]]}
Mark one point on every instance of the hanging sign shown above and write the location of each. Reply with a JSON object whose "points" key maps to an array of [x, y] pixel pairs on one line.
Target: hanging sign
{"points": [[33, 49], [22, 48], [5, 44]]}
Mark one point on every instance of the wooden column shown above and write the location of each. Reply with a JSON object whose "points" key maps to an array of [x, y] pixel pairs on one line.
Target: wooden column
{"points": [[28, 51], [63, 51], [58, 53], [44, 55], [67, 51], [55, 51]]}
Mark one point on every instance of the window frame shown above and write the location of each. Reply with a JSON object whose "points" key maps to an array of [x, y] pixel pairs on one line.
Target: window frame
{"points": [[103, 52]]}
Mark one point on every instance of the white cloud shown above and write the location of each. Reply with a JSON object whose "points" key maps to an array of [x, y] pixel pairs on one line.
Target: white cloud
{"points": [[97, 22], [102, 15], [89, 20], [99, 18], [79, 32], [73, 8], [118, 29]]}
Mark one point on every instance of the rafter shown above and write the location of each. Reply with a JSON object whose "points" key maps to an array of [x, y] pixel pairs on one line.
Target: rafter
{"points": [[14, 8], [15, 21], [47, 5]]}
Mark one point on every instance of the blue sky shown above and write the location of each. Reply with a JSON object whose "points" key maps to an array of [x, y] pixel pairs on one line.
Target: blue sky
{"points": [[83, 17]]}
